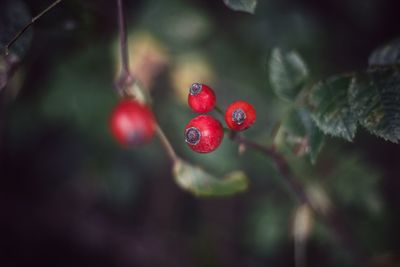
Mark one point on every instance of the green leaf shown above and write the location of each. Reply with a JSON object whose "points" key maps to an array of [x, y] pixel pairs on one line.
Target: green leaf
{"points": [[287, 74], [375, 99], [331, 110], [388, 54], [300, 130], [200, 183], [242, 5]]}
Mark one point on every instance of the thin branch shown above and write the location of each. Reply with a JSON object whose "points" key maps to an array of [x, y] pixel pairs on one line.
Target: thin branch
{"points": [[27, 26], [333, 220], [123, 38], [281, 164], [167, 145], [125, 78]]}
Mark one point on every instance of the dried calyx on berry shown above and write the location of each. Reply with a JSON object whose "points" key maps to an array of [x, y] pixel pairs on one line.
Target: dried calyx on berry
{"points": [[204, 134], [240, 115], [201, 98]]}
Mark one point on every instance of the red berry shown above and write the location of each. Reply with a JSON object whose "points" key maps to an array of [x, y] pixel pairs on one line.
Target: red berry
{"points": [[132, 123], [201, 98], [204, 134], [240, 115]]}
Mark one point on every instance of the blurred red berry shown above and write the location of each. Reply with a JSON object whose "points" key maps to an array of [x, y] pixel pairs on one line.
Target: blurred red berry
{"points": [[201, 98], [204, 134], [132, 123], [240, 115]]}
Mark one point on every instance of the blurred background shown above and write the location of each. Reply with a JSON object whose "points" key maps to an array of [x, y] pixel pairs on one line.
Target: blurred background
{"points": [[70, 196]]}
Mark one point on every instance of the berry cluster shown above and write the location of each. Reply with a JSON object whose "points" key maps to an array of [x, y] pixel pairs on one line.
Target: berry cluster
{"points": [[133, 123], [204, 133]]}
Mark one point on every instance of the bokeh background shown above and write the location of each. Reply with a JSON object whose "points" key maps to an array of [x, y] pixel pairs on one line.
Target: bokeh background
{"points": [[70, 196]]}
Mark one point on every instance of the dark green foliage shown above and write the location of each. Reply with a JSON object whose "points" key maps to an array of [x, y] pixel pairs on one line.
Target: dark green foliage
{"points": [[331, 110], [301, 130], [388, 54], [242, 5], [374, 100], [287, 74]]}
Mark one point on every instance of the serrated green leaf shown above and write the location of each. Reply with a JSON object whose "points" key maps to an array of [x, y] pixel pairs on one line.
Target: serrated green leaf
{"points": [[388, 54], [331, 110], [375, 99], [242, 5], [287, 74], [301, 130], [200, 183]]}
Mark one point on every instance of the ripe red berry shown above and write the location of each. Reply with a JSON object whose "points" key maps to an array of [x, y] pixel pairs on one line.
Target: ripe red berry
{"points": [[240, 115], [201, 98], [204, 134], [132, 123]]}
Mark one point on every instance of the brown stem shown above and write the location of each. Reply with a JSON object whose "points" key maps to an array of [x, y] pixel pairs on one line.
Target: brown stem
{"points": [[333, 221], [27, 26], [123, 38], [125, 78], [167, 145], [281, 165]]}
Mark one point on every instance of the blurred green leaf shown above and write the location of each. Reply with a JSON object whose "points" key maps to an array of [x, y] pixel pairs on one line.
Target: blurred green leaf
{"points": [[331, 109], [374, 99], [242, 5], [353, 183], [81, 93], [287, 74], [388, 54], [301, 131], [268, 226], [195, 180]]}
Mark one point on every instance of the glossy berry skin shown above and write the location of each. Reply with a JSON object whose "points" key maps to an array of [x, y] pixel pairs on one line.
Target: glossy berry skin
{"points": [[132, 123], [204, 134], [240, 115], [201, 98]]}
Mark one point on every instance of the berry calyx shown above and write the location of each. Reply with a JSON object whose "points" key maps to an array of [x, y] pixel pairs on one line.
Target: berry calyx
{"points": [[204, 134], [240, 115], [132, 123], [201, 98]]}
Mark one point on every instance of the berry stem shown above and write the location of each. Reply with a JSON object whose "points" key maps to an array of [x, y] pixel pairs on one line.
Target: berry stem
{"points": [[125, 78], [28, 25], [219, 110], [167, 145], [334, 221], [123, 39]]}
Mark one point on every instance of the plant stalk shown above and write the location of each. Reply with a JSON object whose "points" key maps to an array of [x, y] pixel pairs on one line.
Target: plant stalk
{"points": [[27, 26]]}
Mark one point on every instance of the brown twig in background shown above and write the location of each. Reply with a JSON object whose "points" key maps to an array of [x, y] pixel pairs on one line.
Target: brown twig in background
{"points": [[281, 164], [333, 220], [125, 78], [167, 145], [27, 26]]}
